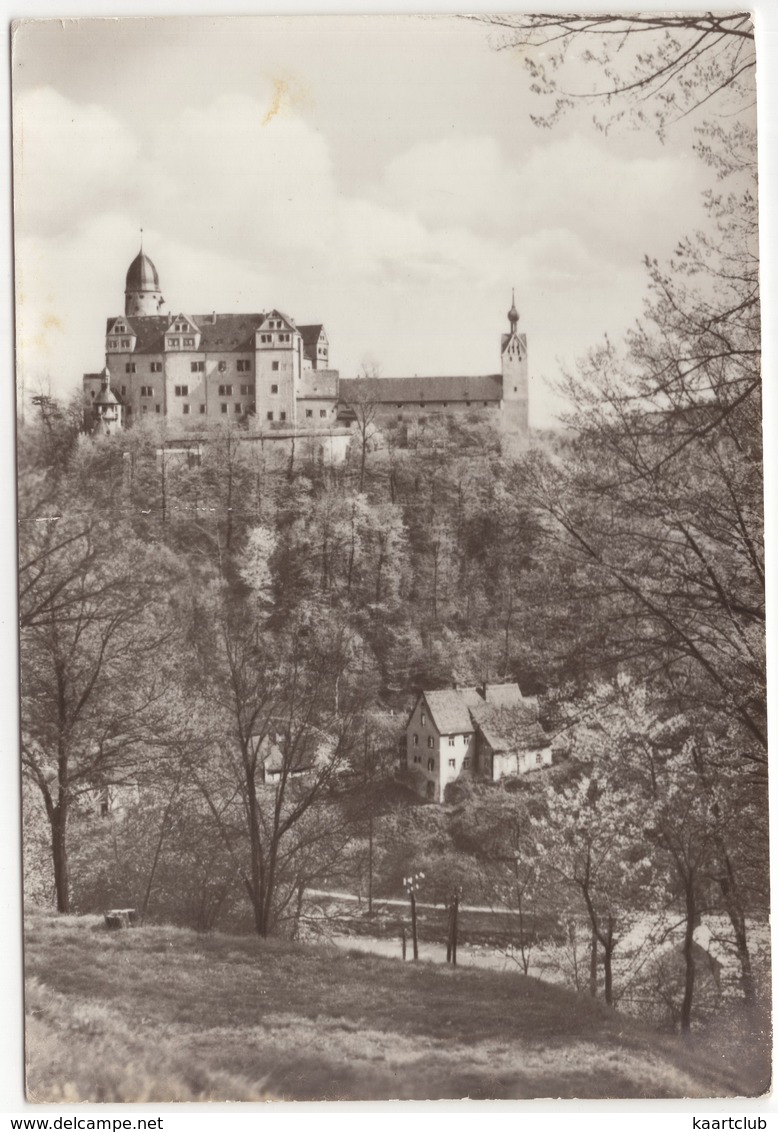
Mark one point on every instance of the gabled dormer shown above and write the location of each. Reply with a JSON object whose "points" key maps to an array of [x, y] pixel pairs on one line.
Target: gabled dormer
{"points": [[120, 337], [182, 333], [276, 332]]}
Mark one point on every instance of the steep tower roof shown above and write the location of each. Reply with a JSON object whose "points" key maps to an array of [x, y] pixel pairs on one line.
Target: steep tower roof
{"points": [[142, 274]]}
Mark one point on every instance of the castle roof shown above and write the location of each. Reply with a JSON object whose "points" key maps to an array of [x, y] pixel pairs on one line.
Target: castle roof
{"points": [[407, 390], [218, 332], [142, 275], [316, 383]]}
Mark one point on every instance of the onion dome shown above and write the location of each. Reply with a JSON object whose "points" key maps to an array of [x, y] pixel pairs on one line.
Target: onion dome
{"points": [[513, 314], [142, 275], [106, 395]]}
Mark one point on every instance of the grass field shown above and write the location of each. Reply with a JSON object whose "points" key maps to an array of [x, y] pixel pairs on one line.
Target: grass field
{"points": [[163, 1014]]}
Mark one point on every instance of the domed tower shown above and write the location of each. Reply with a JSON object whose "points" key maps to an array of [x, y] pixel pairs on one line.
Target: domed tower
{"points": [[515, 376], [141, 292]]}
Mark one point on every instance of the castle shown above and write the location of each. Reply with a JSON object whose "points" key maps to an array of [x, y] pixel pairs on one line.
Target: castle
{"points": [[269, 374]]}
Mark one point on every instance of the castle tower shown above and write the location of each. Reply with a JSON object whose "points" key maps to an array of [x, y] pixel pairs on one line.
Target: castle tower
{"points": [[106, 416], [141, 292], [515, 377]]}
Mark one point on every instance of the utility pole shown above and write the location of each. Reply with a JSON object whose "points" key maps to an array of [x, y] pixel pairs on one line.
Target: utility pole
{"points": [[411, 884]]}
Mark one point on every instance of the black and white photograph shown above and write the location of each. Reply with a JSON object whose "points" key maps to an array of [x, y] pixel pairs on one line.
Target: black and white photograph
{"points": [[391, 575]]}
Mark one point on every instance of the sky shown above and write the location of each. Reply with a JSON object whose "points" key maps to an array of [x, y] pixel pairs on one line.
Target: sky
{"points": [[381, 175]]}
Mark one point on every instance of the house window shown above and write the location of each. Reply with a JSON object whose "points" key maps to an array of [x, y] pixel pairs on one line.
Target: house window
{"points": [[309, 412], [156, 367], [189, 342], [538, 758], [202, 408], [275, 367], [238, 407], [225, 390], [415, 740], [270, 416], [322, 412], [452, 762], [125, 343], [465, 763], [430, 742], [182, 391], [284, 337], [146, 391], [430, 764], [244, 366], [424, 719], [197, 367], [186, 410], [129, 367], [247, 390], [282, 416], [181, 327], [157, 408], [273, 388], [173, 343], [224, 407]]}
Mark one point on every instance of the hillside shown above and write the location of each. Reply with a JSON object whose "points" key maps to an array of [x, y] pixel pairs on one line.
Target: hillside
{"points": [[163, 1014]]}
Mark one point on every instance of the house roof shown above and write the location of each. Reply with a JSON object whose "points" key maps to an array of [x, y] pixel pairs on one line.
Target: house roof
{"points": [[449, 712], [510, 728], [272, 758], [504, 694], [407, 390]]}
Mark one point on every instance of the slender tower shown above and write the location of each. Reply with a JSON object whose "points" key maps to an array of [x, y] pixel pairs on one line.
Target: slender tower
{"points": [[515, 377]]}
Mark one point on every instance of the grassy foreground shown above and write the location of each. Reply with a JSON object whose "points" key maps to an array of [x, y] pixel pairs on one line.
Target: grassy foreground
{"points": [[163, 1014]]}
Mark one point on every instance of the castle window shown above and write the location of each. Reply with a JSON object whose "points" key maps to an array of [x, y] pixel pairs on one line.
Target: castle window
{"points": [[282, 416], [125, 343], [465, 763], [273, 388], [430, 742], [124, 391], [225, 390], [266, 337], [270, 416], [275, 366], [238, 407], [247, 390], [486, 404], [129, 367], [181, 327], [430, 764], [186, 410], [144, 408], [146, 391], [157, 408], [111, 343], [451, 740], [515, 389], [197, 367], [156, 367], [182, 391], [189, 342], [467, 403], [309, 412], [322, 412], [224, 407], [244, 366], [173, 343], [445, 404], [222, 367], [399, 404], [202, 408]]}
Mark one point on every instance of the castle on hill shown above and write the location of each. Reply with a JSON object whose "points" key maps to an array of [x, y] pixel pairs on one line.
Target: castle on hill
{"points": [[269, 374]]}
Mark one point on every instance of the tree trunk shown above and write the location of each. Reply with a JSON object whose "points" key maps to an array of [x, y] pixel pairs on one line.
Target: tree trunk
{"points": [[607, 964], [593, 967], [413, 927], [688, 955], [60, 854]]}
